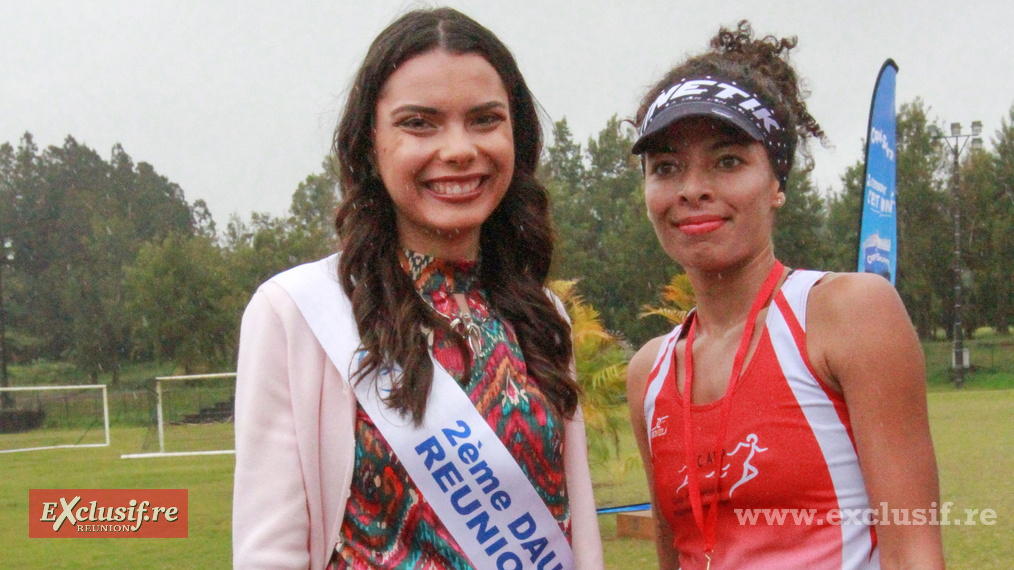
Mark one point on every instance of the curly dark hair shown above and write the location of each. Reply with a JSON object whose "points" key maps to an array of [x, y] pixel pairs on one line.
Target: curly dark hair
{"points": [[761, 65], [516, 241]]}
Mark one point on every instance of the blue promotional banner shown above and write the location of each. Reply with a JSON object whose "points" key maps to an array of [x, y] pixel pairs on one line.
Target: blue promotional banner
{"points": [[878, 243]]}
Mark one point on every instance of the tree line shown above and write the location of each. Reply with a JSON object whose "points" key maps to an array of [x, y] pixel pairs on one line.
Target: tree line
{"points": [[110, 263]]}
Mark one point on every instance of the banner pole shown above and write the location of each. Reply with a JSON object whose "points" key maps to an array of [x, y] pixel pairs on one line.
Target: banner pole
{"points": [[878, 243]]}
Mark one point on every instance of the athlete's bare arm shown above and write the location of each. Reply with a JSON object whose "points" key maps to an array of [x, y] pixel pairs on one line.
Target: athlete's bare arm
{"points": [[637, 376], [862, 343]]}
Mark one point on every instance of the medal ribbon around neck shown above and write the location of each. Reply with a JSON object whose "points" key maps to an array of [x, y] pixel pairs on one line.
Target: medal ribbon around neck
{"points": [[708, 530]]}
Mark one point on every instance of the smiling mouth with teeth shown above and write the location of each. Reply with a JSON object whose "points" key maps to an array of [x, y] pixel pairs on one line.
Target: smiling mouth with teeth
{"points": [[456, 188]]}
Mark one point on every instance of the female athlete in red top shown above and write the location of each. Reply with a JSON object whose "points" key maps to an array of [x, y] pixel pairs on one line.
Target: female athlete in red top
{"points": [[783, 390]]}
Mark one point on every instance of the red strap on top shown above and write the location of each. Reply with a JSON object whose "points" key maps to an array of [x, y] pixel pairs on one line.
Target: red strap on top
{"points": [[708, 529]]}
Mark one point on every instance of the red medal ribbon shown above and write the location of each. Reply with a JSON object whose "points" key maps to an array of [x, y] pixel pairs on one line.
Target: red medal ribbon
{"points": [[708, 529]]}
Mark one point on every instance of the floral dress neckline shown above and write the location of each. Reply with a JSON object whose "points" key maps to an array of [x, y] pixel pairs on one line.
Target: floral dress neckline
{"points": [[437, 280]]}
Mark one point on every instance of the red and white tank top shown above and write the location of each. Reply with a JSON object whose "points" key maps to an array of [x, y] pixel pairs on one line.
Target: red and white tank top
{"points": [[791, 492]]}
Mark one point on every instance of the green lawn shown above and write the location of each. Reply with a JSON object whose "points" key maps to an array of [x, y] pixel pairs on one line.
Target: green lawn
{"points": [[973, 433], [208, 479], [991, 357], [972, 430]]}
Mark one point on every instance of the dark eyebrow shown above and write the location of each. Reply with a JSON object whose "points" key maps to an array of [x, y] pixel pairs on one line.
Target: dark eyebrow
{"points": [[415, 109], [727, 142], [487, 106], [423, 110]]}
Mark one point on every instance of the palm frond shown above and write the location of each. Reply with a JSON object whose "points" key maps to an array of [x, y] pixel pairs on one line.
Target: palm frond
{"points": [[677, 300], [675, 316], [601, 364], [679, 292], [610, 376], [563, 288]]}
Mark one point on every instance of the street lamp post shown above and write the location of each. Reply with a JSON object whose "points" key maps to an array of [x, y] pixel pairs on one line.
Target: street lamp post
{"points": [[6, 256], [960, 141]]}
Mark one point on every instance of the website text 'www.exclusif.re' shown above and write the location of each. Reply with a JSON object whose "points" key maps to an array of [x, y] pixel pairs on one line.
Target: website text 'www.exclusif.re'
{"points": [[945, 515]]}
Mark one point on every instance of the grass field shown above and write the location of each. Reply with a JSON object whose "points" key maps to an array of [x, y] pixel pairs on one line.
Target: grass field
{"points": [[53, 438], [991, 357], [972, 430], [208, 479]]}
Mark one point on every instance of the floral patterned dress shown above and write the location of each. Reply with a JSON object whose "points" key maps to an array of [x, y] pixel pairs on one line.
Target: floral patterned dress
{"points": [[388, 524]]}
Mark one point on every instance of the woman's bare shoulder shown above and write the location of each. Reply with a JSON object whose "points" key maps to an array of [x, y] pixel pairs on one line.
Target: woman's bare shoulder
{"points": [[855, 313], [640, 366], [840, 296]]}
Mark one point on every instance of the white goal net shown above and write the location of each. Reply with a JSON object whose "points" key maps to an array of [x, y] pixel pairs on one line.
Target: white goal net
{"points": [[191, 415], [51, 417]]}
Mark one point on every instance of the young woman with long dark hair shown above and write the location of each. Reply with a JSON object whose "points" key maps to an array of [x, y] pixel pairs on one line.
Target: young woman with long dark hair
{"points": [[350, 452]]}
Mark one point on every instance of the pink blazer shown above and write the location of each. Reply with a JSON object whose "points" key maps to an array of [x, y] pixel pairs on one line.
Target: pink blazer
{"points": [[295, 447]]}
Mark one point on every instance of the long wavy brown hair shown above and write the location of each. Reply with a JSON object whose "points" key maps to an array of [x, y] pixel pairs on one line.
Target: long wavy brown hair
{"points": [[762, 65], [516, 241]]}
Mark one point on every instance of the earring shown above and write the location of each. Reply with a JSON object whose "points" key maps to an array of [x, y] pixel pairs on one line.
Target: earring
{"points": [[780, 200]]}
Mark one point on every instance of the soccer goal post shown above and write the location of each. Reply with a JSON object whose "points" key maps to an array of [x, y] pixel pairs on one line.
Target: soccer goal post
{"points": [[193, 415], [33, 418]]}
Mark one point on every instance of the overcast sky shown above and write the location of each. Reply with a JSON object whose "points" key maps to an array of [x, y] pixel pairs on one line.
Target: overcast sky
{"points": [[236, 100]]}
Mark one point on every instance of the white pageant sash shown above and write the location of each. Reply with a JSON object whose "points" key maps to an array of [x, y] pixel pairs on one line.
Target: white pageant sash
{"points": [[455, 459]]}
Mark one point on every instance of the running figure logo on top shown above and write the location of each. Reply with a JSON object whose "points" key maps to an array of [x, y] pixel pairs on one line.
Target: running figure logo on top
{"points": [[749, 471]]}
